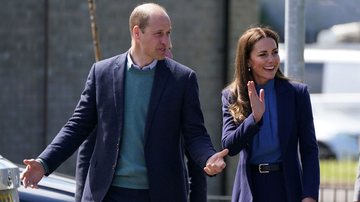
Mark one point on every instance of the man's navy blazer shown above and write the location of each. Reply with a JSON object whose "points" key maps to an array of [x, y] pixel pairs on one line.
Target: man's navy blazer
{"points": [[196, 178], [296, 135], [174, 110]]}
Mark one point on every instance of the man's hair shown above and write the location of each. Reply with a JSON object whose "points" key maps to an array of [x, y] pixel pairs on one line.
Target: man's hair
{"points": [[141, 14]]}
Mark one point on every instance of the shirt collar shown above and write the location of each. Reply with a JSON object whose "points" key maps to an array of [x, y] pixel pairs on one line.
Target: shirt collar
{"points": [[131, 64]]}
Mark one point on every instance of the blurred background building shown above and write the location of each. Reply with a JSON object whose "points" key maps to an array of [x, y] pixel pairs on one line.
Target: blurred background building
{"points": [[46, 52]]}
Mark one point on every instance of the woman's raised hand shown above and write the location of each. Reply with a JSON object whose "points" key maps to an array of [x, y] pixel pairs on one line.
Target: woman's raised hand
{"points": [[257, 101]]}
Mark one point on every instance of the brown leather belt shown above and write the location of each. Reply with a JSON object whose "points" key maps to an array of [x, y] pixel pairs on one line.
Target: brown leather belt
{"points": [[266, 167]]}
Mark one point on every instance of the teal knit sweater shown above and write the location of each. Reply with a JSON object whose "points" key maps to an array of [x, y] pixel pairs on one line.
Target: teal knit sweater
{"points": [[131, 169]]}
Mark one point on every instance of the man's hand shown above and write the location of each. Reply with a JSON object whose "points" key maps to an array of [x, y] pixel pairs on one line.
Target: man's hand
{"points": [[215, 164], [32, 174], [308, 199]]}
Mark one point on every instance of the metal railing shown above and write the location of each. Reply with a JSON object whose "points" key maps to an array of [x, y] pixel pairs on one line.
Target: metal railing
{"points": [[326, 194], [336, 194]]}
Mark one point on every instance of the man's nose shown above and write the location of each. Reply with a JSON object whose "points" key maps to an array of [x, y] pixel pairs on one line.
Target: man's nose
{"points": [[166, 41]]}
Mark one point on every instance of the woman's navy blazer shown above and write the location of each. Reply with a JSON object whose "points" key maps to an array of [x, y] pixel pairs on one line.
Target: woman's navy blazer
{"points": [[298, 144]]}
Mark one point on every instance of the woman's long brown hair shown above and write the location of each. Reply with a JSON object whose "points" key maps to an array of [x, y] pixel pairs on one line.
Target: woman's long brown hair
{"points": [[240, 107]]}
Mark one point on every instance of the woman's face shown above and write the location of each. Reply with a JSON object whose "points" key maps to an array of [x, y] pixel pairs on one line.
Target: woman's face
{"points": [[264, 60]]}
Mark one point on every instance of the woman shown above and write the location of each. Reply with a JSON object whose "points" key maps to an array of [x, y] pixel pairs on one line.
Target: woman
{"points": [[267, 120]]}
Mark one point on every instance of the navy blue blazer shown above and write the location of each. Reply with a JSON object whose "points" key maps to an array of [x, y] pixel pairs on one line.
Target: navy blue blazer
{"points": [[296, 133], [195, 176], [174, 110]]}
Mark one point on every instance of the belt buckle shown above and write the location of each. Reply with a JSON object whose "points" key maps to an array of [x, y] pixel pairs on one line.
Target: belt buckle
{"points": [[263, 171]]}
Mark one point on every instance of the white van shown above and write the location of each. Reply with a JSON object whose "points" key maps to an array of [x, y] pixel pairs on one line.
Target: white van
{"points": [[334, 69], [336, 119]]}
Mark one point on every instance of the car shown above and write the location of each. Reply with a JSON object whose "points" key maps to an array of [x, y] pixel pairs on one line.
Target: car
{"points": [[54, 188], [337, 128]]}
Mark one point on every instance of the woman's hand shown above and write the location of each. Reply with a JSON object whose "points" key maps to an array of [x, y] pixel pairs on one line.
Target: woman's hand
{"points": [[257, 101]]}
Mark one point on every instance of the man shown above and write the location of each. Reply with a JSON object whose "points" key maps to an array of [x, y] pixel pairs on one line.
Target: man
{"points": [[143, 105], [196, 178]]}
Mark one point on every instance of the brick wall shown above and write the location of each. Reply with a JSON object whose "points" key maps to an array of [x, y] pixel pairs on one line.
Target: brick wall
{"points": [[21, 79]]}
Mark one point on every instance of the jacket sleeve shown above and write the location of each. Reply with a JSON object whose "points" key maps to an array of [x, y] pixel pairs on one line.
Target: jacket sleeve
{"points": [[197, 140], [236, 137], [77, 128]]}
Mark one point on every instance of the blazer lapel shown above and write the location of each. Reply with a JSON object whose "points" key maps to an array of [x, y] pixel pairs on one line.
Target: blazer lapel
{"points": [[118, 86], [162, 73]]}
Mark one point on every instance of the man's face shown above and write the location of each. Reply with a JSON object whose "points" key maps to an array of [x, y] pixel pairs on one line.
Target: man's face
{"points": [[155, 40]]}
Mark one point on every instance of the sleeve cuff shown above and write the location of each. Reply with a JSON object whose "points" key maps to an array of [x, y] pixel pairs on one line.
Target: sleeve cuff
{"points": [[42, 162]]}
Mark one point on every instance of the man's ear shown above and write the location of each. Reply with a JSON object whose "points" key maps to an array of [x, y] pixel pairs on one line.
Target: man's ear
{"points": [[136, 31]]}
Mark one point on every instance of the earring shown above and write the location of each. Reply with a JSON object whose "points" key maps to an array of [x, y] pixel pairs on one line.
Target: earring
{"points": [[249, 69]]}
